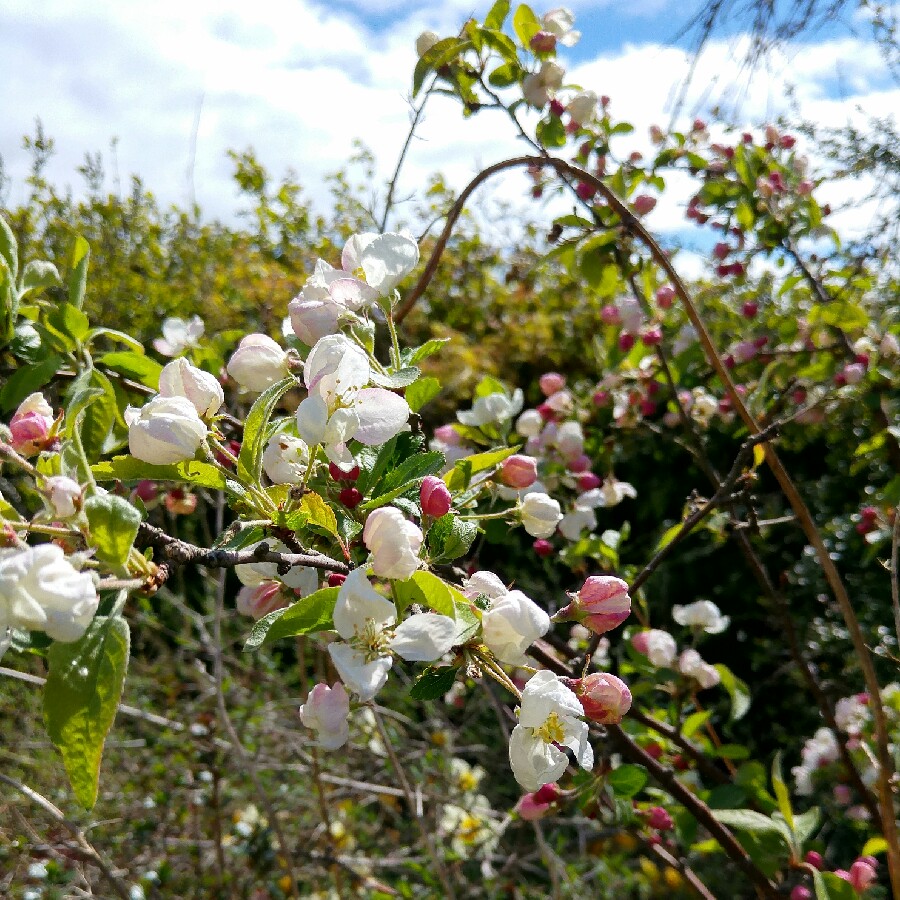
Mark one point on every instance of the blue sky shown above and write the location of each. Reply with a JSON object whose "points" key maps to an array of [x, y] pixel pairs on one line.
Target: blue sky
{"points": [[300, 80]]}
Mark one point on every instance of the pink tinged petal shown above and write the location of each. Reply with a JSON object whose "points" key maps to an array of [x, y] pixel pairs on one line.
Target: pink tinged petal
{"points": [[352, 293], [365, 679], [534, 762], [382, 415], [312, 319], [351, 256], [388, 259], [424, 638], [335, 357], [312, 419]]}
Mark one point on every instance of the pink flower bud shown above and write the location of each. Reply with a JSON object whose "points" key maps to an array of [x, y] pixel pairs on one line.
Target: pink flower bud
{"points": [[801, 893], [543, 42], [587, 481], [518, 471], [626, 341], [350, 497], [180, 503], [601, 605], [665, 296], [580, 463], [447, 434], [585, 191], [30, 426], [652, 336], [542, 547], [551, 382], [854, 373], [814, 859], [604, 698], [862, 875], [644, 204], [339, 474], [434, 497], [259, 600], [659, 819], [750, 309], [146, 490], [601, 398], [610, 315], [537, 804], [721, 250], [336, 579], [556, 108]]}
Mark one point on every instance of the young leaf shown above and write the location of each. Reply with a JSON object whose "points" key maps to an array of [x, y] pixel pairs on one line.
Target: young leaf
{"points": [[425, 389], [417, 354], [433, 683], [319, 513], [737, 690], [306, 616], [461, 474], [26, 380], [81, 697], [400, 379], [114, 524], [38, 274], [9, 248], [829, 887], [81, 255], [781, 792], [127, 468], [627, 780], [135, 366], [497, 15], [450, 537], [751, 821], [426, 590], [525, 24], [249, 467]]}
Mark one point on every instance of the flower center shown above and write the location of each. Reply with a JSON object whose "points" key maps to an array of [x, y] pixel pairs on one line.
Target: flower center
{"points": [[552, 730], [371, 640]]}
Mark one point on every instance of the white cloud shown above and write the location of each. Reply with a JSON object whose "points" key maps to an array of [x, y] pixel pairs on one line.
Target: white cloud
{"points": [[300, 81]]}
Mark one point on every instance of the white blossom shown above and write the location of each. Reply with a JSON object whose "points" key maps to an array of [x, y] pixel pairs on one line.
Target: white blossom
{"points": [[180, 379], [179, 335], [394, 543], [540, 514], [164, 430], [702, 615], [691, 664], [496, 408], [559, 22], [538, 87], [258, 363], [285, 459], [550, 714], [63, 492]]}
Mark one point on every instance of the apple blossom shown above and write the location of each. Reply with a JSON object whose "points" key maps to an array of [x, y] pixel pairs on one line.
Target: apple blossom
{"points": [[180, 379], [261, 599], [570, 439], [470, 827], [820, 750], [575, 522], [64, 494], [393, 541], [511, 624], [559, 23], [852, 713], [691, 664], [258, 363], [551, 382], [434, 497], [326, 711], [582, 108], [40, 590], [340, 406], [425, 41], [179, 335], [550, 715], [604, 698], [530, 423], [540, 514], [385, 259], [367, 623], [164, 430], [304, 580], [703, 615], [484, 584], [602, 604], [518, 471], [31, 425], [285, 459], [658, 646], [538, 87], [537, 804], [494, 408]]}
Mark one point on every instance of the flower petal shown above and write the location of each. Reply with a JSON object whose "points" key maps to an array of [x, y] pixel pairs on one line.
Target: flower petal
{"points": [[424, 638], [382, 414], [388, 259], [363, 678]]}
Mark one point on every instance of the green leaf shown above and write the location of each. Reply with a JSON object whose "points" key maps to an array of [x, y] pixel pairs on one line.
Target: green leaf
{"points": [[505, 75], [442, 53], [781, 792], [81, 697], [26, 380], [249, 467], [38, 274], [417, 354], [694, 721], [460, 475], [374, 463], [414, 468], [737, 690], [627, 780], [127, 468], [433, 683], [319, 513], [68, 322], [425, 389], [114, 524], [101, 413], [450, 537], [829, 887], [9, 248], [135, 366], [748, 820], [873, 846], [497, 15], [425, 589], [551, 132], [306, 616], [525, 24], [399, 379], [81, 255], [805, 826]]}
